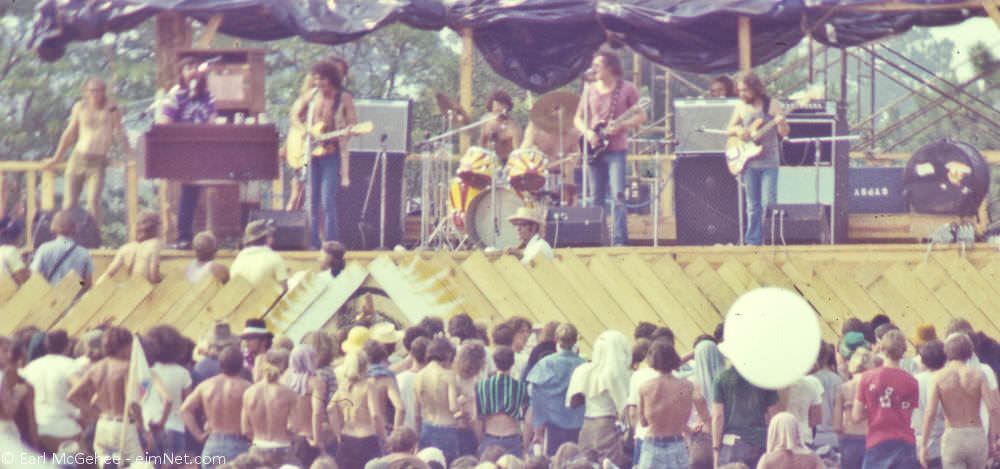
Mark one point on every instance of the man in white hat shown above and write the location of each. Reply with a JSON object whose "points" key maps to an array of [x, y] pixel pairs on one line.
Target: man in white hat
{"points": [[257, 262], [528, 223]]}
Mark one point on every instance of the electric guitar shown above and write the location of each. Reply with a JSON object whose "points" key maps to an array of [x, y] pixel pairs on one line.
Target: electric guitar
{"points": [[594, 152], [740, 151], [295, 151]]}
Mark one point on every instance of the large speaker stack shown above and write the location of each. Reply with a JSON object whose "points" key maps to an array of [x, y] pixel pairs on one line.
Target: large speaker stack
{"points": [[706, 195]]}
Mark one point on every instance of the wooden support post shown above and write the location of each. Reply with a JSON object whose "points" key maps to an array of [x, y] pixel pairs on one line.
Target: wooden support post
{"points": [[29, 180], [465, 80], [132, 198], [172, 32], [49, 190], [745, 43], [208, 34], [991, 9]]}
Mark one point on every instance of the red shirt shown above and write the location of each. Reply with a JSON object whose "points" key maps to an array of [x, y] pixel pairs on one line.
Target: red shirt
{"points": [[889, 395], [599, 109]]}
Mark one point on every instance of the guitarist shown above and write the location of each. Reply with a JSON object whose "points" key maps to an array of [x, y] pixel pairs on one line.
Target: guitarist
{"points": [[760, 176], [332, 109], [608, 97]]}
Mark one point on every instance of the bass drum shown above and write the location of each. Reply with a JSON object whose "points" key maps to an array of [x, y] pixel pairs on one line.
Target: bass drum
{"points": [[460, 196], [479, 218], [946, 177]]}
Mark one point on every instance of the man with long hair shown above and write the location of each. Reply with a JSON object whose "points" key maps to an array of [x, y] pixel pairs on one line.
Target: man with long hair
{"points": [[187, 102], [607, 98], [332, 109], [94, 124], [760, 176]]}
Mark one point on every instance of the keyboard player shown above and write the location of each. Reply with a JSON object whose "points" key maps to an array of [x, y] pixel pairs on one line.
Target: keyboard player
{"points": [[188, 102]]}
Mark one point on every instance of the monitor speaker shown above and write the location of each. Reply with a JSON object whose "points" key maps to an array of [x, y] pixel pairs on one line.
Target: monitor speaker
{"points": [[706, 199]]}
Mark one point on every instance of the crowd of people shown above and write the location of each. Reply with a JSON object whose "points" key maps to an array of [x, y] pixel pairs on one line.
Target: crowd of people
{"points": [[469, 394]]}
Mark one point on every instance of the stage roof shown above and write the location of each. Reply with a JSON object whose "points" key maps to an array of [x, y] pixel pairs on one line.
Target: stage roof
{"points": [[537, 44]]}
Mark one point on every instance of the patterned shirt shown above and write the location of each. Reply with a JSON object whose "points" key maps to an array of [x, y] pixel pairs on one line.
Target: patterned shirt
{"points": [[182, 106], [502, 394]]}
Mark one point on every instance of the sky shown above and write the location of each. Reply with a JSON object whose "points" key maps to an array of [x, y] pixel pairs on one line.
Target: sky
{"points": [[967, 34]]}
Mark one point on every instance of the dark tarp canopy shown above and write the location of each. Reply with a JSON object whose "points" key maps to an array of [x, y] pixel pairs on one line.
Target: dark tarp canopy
{"points": [[537, 44]]}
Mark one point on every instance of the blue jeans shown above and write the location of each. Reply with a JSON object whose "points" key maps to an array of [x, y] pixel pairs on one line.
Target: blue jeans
{"points": [[761, 187], [324, 178], [185, 212], [453, 442], [892, 454], [511, 444], [664, 453], [740, 451], [636, 451], [610, 171], [555, 436], [222, 449], [852, 451]]}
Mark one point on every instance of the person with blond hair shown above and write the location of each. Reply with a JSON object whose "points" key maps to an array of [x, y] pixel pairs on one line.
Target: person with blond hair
{"points": [[140, 258], [205, 247], [94, 123], [353, 416]]}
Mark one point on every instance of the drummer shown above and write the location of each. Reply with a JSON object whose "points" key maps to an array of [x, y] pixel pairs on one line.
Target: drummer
{"points": [[543, 134], [528, 222], [503, 134]]}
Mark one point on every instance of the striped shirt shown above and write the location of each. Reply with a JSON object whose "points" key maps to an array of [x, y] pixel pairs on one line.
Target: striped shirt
{"points": [[502, 394]]}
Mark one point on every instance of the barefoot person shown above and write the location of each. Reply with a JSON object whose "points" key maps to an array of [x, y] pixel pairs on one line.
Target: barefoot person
{"points": [[267, 406], [959, 389], [93, 124], [665, 404], [220, 400], [102, 389]]}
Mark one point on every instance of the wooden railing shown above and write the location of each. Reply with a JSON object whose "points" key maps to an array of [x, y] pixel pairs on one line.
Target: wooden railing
{"points": [[45, 199]]}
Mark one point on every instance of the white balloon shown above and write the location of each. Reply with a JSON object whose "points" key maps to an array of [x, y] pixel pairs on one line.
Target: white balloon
{"points": [[771, 336]]}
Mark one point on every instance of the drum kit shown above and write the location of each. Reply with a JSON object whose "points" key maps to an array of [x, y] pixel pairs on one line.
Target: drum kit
{"points": [[483, 192]]}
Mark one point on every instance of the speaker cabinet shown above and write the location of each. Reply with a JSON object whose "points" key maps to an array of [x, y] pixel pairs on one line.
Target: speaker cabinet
{"points": [[391, 117], [706, 199], [693, 116], [351, 199], [292, 231]]}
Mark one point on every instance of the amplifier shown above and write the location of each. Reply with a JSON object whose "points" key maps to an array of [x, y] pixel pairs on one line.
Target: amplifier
{"points": [[797, 223], [575, 227], [876, 190], [292, 227], [637, 199], [823, 106], [391, 117], [693, 115]]}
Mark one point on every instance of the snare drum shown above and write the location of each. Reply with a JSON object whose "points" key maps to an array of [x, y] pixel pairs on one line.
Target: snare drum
{"points": [[459, 198], [476, 167], [527, 170]]}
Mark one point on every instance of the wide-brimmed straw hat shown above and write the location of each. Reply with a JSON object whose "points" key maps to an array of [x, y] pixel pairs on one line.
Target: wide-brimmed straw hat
{"points": [[386, 333], [255, 328], [258, 229], [356, 338], [525, 214]]}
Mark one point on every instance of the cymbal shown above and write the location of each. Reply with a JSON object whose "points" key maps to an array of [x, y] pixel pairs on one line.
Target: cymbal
{"points": [[446, 103], [545, 113]]}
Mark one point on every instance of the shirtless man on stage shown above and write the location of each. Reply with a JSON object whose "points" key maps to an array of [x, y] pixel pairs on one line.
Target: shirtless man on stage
{"points": [[102, 389], [267, 406], [503, 134], [94, 123], [220, 399]]}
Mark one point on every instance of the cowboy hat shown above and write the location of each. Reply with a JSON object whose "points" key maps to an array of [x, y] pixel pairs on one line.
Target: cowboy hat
{"points": [[255, 328], [221, 336], [258, 229], [525, 214], [386, 333], [356, 338]]}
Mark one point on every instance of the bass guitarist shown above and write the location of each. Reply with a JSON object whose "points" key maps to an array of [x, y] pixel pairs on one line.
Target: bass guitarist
{"points": [[760, 175], [332, 108], [608, 97]]}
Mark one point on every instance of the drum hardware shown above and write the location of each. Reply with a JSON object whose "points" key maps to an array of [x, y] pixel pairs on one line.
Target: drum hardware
{"points": [[549, 113]]}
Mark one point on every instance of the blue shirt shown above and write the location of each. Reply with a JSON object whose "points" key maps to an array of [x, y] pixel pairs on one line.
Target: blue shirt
{"points": [[548, 381], [48, 255]]}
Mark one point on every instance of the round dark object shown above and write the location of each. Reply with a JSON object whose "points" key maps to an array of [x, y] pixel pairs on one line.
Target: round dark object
{"points": [[946, 177]]}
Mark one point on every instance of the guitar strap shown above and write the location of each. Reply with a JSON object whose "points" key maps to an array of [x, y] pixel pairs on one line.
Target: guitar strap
{"points": [[614, 101]]}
